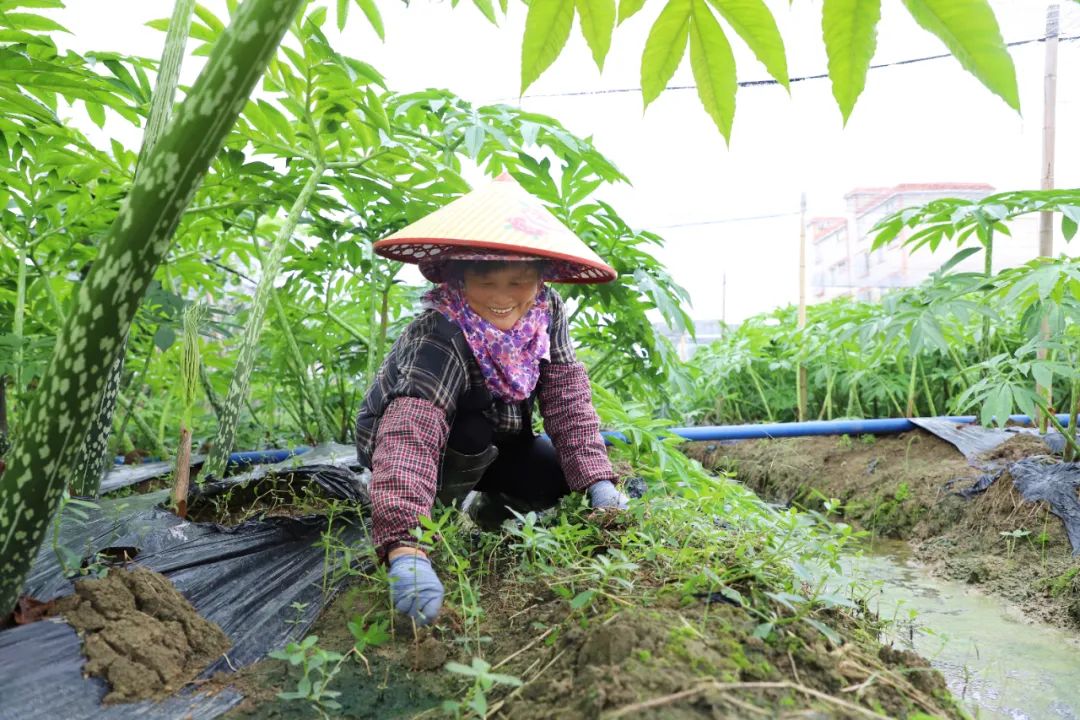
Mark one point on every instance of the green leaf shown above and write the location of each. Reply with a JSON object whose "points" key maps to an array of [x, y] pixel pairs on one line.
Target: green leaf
{"points": [[755, 24], [1042, 374], [474, 140], [597, 18], [1070, 219], [164, 337], [582, 599], [342, 14], [547, 27], [629, 8], [29, 21], [958, 258], [371, 12], [209, 18], [479, 704], [376, 112], [488, 10], [849, 28], [459, 669], [970, 31], [713, 66], [664, 48], [825, 630], [96, 112]]}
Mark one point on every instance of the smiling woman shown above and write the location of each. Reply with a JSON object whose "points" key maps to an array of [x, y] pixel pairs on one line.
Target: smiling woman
{"points": [[451, 408], [500, 292]]}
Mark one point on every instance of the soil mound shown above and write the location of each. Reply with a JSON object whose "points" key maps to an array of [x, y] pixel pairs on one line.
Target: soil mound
{"points": [[1021, 446], [686, 664], [140, 634], [897, 486]]}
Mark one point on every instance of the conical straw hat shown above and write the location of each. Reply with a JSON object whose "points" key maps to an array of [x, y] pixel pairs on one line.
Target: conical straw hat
{"points": [[498, 219]]}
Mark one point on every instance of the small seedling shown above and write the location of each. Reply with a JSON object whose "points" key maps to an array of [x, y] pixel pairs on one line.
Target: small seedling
{"points": [[298, 609], [475, 703], [1011, 536], [319, 667]]}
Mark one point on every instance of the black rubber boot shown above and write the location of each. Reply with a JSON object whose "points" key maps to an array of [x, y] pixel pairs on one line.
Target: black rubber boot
{"points": [[461, 473], [489, 510]]}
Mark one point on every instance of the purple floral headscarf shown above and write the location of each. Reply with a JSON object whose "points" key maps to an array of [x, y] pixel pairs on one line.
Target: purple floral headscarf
{"points": [[509, 359]]}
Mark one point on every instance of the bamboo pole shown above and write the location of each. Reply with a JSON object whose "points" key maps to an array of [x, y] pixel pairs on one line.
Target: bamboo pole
{"points": [[1046, 219], [802, 377]]}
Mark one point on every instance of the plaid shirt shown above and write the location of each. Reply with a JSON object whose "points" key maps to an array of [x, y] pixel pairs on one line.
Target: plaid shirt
{"points": [[405, 419]]}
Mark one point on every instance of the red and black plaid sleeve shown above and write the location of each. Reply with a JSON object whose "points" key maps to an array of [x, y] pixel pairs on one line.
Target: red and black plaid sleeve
{"points": [[405, 468]]}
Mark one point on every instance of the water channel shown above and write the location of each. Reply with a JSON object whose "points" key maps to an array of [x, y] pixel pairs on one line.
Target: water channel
{"points": [[1001, 665]]}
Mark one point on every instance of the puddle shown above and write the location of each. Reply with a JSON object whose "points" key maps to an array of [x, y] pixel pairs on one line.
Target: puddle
{"points": [[1000, 665]]}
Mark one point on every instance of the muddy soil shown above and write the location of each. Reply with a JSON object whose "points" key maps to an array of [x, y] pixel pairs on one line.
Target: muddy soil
{"points": [[668, 660], [268, 497], [904, 487], [140, 634]]}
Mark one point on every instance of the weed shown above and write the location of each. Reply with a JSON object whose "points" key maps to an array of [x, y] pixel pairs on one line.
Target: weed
{"points": [[320, 666], [1011, 536], [902, 492], [443, 531], [1061, 584], [475, 703], [298, 609], [70, 560]]}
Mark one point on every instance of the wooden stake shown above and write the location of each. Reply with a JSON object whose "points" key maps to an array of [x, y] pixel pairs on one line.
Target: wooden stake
{"points": [[183, 473], [1046, 219], [802, 379]]}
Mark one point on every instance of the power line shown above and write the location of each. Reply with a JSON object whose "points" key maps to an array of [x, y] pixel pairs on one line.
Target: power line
{"points": [[722, 221], [757, 83]]}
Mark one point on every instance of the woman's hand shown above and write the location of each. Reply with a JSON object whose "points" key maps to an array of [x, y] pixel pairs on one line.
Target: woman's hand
{"points": [[414, 586], [603, 495]]}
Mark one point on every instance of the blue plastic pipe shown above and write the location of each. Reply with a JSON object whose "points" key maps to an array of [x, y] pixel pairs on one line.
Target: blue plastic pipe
{"points": [[259, 457], [883, 426], [249, 457]]}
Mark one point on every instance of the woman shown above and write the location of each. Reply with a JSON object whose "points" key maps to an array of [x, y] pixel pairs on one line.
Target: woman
{"points": [[450, 410]]}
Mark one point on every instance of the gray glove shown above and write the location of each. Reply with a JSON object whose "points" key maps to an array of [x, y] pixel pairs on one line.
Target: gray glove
{"points": [[604, 495], [415, 588]]}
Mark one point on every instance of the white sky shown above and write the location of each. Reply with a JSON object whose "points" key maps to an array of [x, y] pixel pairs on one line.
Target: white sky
{"points": [[926, 122]]}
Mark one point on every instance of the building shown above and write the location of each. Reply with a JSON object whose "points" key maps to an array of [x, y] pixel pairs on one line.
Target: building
{"points": [[841, 261]]}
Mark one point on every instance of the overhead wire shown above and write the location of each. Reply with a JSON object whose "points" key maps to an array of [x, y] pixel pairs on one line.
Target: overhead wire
{"points": [[769, 81]]}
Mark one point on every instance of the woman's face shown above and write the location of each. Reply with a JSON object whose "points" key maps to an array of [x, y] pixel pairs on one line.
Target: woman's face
{"points": [[503, 296]]}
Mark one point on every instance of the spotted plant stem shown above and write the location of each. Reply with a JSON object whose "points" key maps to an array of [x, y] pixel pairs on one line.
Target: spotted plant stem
{"points": [[249, 345], [94, 455], [66, 400]]}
